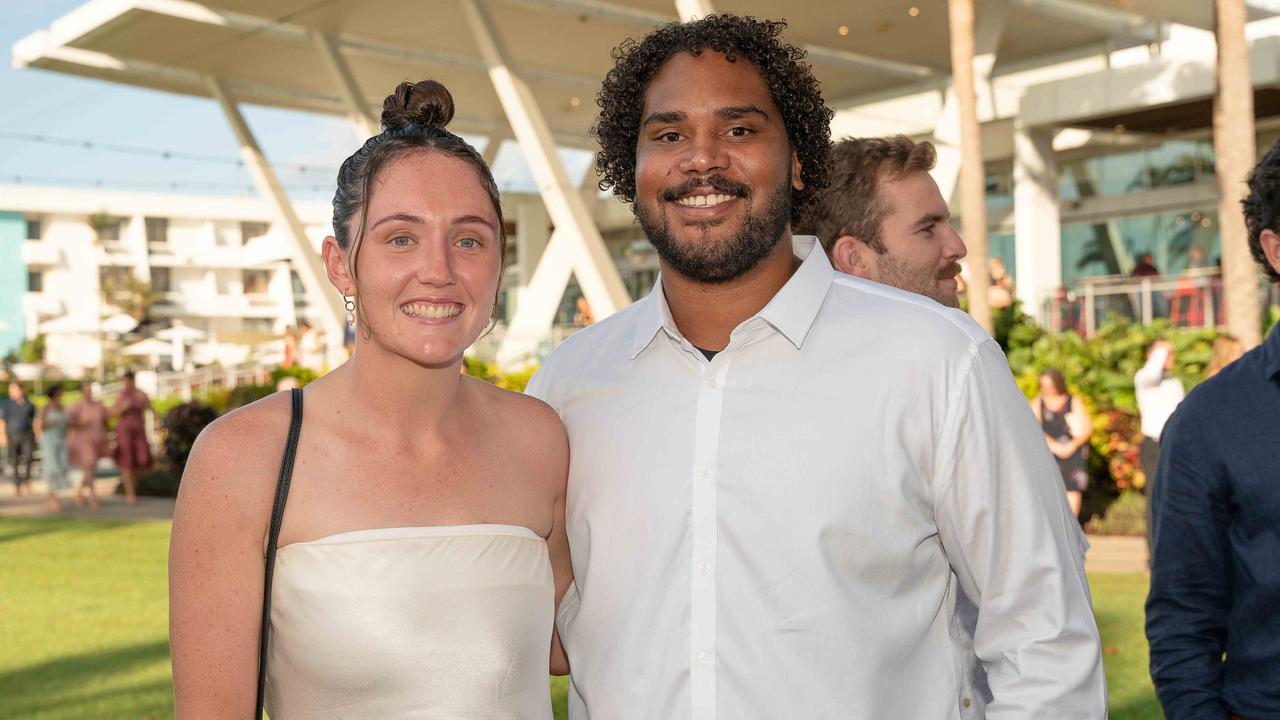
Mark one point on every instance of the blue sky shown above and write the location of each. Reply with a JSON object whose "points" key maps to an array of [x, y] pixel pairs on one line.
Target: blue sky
{"points": [[63, 106]]}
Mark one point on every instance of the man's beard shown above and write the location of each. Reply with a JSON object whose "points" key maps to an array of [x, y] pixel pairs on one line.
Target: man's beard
{"points": [[708, 260], [921, 282]]}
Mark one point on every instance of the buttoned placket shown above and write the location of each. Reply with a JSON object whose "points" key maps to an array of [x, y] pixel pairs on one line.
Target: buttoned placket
{"points": [[702, 634]]}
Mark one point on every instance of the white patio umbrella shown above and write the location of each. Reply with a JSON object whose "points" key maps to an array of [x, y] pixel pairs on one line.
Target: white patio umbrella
{"points": [[179, 335], [119, 324], [69, 324], [150, 348], [182, 332]]}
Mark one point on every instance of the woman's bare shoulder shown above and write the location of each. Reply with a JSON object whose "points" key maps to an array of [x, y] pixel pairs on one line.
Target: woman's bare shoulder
{"points": [[530, 427]]}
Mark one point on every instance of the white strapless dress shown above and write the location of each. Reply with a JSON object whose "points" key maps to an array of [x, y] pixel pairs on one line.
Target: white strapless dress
{"points": [[425, 622]]}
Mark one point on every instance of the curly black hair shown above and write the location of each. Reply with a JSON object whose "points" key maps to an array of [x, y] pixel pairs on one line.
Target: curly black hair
{"points": [[790, 80], [1262, 206]]}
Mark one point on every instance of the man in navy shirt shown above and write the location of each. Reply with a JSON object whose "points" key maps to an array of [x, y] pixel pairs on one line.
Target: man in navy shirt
{"points": [[1213, 615], [17, 416]]}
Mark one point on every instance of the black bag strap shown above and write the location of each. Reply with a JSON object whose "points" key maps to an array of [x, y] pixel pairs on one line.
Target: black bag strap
{"points": [[273, 536]]}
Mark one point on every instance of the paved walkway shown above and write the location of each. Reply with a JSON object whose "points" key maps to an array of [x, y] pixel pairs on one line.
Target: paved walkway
{"points": [[1116, 554], [113, 506]]}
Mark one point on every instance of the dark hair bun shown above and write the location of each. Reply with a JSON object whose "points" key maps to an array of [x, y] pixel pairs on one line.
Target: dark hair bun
{"points": [[425, 103]]}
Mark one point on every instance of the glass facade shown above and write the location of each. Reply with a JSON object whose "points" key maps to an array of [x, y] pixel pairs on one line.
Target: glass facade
{"points": [[1175, 241], [1176, 162]]}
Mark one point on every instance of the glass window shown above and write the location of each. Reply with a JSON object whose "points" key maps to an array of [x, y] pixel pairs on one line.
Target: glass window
{"points": [[1123, 173], [157, 232], [1207, 157], [1079, 179], [35, 281], [109, 229], [33, 228], [1192, 239], [1173, 163], [1087, 251], [161, 279], [1175, 241], [251, 230], [256, 281], [999, 189]]}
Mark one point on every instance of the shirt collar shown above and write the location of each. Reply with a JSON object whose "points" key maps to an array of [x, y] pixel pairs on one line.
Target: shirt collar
{"points": [[791, 312], [652, 315], [795, 307]]}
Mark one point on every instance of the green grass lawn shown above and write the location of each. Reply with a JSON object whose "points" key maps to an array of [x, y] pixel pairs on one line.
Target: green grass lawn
{"points": [[84, 622]]}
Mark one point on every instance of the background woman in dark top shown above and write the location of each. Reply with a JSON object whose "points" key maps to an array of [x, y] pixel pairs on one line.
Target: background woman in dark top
{"points": [[1067, 428]]}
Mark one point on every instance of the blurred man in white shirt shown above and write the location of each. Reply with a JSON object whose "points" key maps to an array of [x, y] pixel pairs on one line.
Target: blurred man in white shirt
{"points": [[1158, 393], [782, 477]]}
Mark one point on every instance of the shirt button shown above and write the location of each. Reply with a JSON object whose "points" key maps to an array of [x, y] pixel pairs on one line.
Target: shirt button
{"points": [[704, 659], [706, 473], [967, 702], [714, 382], [704, 568]]}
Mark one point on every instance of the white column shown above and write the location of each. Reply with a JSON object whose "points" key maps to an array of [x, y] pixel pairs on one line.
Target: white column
{"points": [[991, 18], [690, 10], [305, 258], [366, 124], [581, 249], [1036, 217]]}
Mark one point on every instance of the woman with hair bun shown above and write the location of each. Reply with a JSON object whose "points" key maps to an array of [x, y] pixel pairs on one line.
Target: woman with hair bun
{"points": [[420, 552]]}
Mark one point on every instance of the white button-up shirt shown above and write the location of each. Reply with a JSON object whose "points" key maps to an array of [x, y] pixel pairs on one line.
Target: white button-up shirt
{"points": [[781, 532], [1158, 394]]}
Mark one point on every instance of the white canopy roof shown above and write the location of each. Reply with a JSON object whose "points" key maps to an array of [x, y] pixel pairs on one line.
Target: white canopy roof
{"points": [[269, 52]]}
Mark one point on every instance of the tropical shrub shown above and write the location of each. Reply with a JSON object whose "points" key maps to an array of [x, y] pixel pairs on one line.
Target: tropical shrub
{"points": [[1100, 371], [242, 395], [1126, 516], [182, 425]]}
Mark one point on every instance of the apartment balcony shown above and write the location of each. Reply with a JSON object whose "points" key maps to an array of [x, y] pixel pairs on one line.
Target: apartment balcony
{"points": [[177, 305], [40, 253], [115, 252]]}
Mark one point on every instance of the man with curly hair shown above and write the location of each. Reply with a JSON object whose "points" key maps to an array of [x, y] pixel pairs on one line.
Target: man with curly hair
{"points": [[781, 477], [1215, 574]]}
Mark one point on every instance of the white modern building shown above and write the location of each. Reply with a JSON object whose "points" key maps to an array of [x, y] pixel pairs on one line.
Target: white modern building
{"points": [[1095, 114], [78, 262], [214, 265]]}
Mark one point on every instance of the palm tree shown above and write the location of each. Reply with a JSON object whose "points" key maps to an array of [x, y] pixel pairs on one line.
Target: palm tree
{"points": [[973, 208], [1233, 139]]}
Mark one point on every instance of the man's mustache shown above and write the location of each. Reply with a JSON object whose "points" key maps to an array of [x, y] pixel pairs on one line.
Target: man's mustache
{"points": [[716, 182], [949, 271]]}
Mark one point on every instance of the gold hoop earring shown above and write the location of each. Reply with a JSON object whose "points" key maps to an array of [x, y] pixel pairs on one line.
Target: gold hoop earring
{"points": [[350, 303]]}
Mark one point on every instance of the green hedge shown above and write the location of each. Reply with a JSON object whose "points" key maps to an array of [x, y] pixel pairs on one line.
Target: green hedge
{"points": [[1100, 370]]}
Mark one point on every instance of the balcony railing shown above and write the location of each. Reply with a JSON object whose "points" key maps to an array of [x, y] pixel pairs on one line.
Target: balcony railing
{"points": [[1190, 300]]}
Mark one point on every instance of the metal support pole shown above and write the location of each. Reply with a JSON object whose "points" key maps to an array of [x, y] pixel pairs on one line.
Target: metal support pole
{"points": [[364, 121], [584, 254], [1090, 311], [305, 259]]}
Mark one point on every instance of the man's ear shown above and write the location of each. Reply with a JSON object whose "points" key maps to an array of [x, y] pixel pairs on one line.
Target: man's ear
{"points": [[852, 256], [797, 182], [1270, 242], [335, 265]]}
